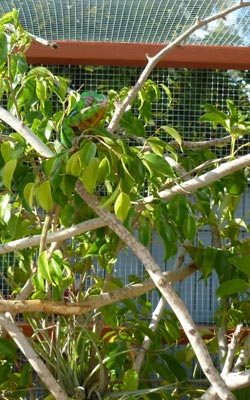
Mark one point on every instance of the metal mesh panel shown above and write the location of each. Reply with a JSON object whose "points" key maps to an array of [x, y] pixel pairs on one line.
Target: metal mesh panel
{"points": [[190, 90], [142, 21]]}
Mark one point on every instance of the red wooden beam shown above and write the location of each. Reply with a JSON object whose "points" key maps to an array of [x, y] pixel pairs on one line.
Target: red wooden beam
{"points": [[134, 54]]}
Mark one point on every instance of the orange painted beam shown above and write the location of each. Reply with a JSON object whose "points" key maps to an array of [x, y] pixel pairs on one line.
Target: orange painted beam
{"points": [[134, 54]]}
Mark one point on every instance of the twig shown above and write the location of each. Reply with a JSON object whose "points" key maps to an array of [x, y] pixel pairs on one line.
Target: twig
{"points": [[10, 28], [166, 290], [203, 143], [153, 61], [244, 356], [156, 317], [38, 365]]}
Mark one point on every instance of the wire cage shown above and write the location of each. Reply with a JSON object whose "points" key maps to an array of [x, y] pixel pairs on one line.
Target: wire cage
{"points": [[148, 22], [145, 23]]}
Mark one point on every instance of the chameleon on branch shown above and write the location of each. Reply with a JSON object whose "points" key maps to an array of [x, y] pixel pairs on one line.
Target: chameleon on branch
{"points": [[88, 112]]}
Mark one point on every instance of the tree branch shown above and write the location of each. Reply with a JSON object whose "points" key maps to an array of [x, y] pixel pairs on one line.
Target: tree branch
{"points": [[92, 302], [60, 235], [156, 317], [210, 393], [26, 133], [244, 356], [166, 290], [37, 364], [198, 182]]}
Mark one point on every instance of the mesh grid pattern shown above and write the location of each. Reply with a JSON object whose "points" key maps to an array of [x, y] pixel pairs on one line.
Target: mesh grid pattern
{"points": [[190, 89], [141, 21]]}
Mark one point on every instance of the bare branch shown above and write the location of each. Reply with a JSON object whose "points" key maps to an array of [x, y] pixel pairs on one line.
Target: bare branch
{"points": [[37, 364], [244, 356], [26, 133], [231, 351], [166, 290], [210, 393], [198, 182], [92, 302], [156, 317], [217, 142], [60, 235]]}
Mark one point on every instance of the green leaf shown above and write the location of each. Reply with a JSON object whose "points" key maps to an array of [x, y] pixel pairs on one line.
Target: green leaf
{"points": [[189, 227], [175, 367], [4, 48], [88, 152], [89, 175], [157, 165], [208, 263], [157, 145], [132, 125], [214, 118], [233, 286], [74, 165], [25, 376], [104, 169], [55, 264], [130, 380], [41, 90], [43, 196], [173, 132], [7, 349], [235, 183], [9, 151], [28, 193], [122, 206], [43, 266], [8, 171], [241, 263]]}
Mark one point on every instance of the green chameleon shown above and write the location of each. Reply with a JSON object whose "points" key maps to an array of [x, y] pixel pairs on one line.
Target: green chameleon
{"points": [[88, 112]]}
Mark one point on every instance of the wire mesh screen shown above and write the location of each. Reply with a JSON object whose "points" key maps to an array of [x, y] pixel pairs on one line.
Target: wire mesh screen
{"points": [[190, 89], [141, 21]]}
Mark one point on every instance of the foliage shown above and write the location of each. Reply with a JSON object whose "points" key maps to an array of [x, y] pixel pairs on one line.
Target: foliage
{"points": [[38, 197]]}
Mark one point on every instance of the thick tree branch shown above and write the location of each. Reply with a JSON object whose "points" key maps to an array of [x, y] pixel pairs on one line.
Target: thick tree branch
{"points": [[92, 302], [198, 182], [37, 364], [60, 235], [26, 133], [166, 290], [153, 61]]}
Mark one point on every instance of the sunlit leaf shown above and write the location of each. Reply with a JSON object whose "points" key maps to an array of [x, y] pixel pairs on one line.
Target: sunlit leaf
{"points": [[43, 196], [231, 287], [122, 205], [8, 172]]}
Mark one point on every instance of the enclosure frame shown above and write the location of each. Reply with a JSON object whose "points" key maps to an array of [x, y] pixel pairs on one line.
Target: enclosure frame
{"points": [[135, 55]]}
